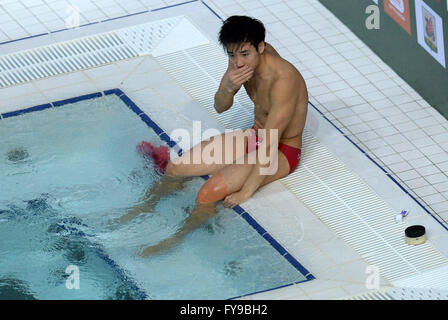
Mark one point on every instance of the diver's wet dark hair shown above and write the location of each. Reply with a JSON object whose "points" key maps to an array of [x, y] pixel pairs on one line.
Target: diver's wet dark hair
{"points": [[239, 29]]}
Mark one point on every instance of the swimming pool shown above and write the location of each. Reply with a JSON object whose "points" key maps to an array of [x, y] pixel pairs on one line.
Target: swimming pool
{"points": [[67, 172]]}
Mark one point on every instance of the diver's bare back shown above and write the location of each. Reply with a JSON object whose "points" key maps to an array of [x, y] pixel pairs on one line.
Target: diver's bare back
{"points": [[259, 91]]}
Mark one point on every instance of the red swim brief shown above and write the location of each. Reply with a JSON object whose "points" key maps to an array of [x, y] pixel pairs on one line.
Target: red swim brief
{"points": [[292, 154]]}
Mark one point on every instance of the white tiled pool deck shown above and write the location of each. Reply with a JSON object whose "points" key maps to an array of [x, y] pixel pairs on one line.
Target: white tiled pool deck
{"points": [[347, 82]]}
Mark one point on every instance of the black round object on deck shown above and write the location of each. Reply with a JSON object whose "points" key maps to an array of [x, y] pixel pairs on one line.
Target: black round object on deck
{"points": [[414, 231]]}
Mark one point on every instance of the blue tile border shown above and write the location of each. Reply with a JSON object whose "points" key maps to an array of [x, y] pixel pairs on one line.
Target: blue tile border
{"points": [[23, 111], [141, 294], [267, 290], [213, 11], [277, 246]]}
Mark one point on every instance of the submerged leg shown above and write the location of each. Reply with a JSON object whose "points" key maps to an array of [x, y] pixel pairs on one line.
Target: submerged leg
{"points": [[228, 180], [197, 218], [164, 186]]}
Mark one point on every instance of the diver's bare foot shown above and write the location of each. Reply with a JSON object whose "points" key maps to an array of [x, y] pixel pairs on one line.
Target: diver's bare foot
{"points": [[156, 249]]}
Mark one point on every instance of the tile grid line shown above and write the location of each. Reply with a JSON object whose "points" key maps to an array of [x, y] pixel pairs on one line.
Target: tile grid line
{"points": [[396, 174], [387, 173], [101, 21], [372, 152]]}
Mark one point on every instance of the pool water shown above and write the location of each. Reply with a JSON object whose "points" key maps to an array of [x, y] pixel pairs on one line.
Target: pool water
{"points": [[67, 172]]}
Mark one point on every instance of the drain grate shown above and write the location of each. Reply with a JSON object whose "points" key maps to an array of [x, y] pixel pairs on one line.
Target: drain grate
{"points": [[64, 57], [83, 53]]}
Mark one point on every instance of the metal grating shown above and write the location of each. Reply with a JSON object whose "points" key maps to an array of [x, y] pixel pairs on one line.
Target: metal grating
{"points": [[402, 293], [433, 279], [83, 53], [143, 38], [410, 293], [63, 57]]}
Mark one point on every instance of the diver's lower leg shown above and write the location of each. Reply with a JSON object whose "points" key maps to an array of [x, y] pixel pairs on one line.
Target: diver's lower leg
{"points": [[159, 189]]}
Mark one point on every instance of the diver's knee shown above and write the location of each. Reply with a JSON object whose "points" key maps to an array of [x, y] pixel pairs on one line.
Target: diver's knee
{"points": [[213, 190], [203, 196]]}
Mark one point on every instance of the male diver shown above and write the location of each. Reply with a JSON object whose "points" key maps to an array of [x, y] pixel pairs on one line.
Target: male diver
{"points": [[280, 98]]}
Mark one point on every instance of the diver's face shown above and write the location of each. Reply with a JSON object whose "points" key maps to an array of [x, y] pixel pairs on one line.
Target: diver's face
{"points": [[243, 54]]}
